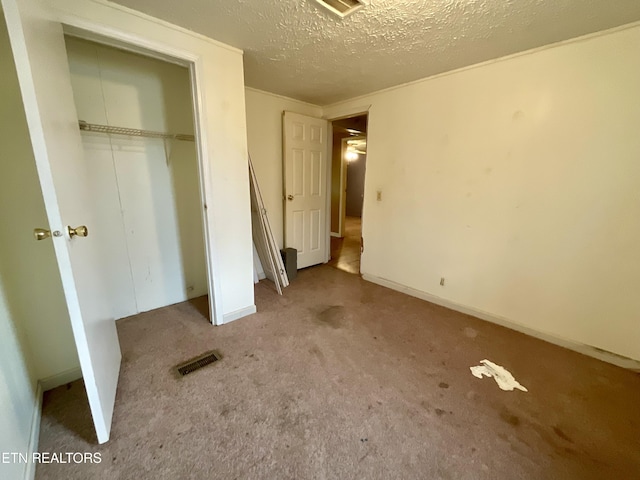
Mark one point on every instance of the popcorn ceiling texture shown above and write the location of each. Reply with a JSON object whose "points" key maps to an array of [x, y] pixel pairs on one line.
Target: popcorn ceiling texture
{"points": [[297, 49]]}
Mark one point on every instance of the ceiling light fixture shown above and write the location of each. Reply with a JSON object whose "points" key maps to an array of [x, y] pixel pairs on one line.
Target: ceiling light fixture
{"points": [[351, 155], [342, 8]]}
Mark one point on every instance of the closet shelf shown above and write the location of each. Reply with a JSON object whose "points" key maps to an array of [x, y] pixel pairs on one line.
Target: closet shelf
{"points": [[132, 132]]}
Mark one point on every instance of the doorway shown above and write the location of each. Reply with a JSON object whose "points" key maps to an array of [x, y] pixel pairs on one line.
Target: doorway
{"points": [[137, 133], [348, 166]]}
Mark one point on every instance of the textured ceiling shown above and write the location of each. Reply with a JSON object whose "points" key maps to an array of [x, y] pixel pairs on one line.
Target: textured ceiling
{"points": [[298, 49]]}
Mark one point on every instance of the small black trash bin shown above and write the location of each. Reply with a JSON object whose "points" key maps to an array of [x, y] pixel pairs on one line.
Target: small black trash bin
{"points": [[290, 259]]}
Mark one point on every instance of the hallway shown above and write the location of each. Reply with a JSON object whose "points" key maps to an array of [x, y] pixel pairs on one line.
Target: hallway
{"points": [[345, 252]]}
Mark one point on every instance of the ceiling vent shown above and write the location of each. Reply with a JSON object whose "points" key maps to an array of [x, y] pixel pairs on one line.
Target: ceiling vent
{"points": [[342, 8]]}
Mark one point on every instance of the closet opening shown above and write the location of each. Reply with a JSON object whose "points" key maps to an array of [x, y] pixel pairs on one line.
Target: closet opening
{"points": [[142, 157]]}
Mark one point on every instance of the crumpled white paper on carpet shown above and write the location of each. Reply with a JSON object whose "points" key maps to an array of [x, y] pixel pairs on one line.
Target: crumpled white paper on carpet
{"points": [[501, 375]]}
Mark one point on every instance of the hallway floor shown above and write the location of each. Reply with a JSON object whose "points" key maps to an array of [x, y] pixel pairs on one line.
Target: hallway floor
{"points": [[345, 252], [340, 378]]}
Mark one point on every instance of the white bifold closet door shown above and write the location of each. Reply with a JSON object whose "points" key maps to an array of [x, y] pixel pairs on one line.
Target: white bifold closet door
{"points": [[146, 189]]}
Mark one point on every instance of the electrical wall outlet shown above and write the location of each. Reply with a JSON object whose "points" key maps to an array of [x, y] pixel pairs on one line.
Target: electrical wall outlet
{"points": [[379, 195], [442, 281]]}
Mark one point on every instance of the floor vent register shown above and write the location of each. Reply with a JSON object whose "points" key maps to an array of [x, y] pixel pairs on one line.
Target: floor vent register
{"points": [[197, 363]]}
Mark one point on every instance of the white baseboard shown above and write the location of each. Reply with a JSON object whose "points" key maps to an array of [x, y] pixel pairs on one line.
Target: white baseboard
{"points": [[588, 350], [34, 435], [61, 378], [243, 312]]}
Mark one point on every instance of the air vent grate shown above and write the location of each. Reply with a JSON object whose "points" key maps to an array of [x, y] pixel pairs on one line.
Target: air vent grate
{"points": [[197, 363], [342, 8]]}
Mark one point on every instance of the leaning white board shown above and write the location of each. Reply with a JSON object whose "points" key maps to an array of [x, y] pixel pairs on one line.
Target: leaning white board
{"points": [[263, 237]]}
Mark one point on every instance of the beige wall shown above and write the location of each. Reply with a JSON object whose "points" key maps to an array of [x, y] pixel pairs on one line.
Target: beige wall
{"points": [[264, 133], [518, 181]]}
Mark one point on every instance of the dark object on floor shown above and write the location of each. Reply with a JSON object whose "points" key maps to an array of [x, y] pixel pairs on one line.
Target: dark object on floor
{"points": [[290, 259], [197, 363]]}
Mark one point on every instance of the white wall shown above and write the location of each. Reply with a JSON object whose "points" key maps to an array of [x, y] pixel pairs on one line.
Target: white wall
{"points": [[31, 279], [17, 392], [146, 189], [264, 136], [518, 181]]}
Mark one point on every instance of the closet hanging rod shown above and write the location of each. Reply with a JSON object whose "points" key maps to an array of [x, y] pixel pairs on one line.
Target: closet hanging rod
{"points": [[132, 132]]}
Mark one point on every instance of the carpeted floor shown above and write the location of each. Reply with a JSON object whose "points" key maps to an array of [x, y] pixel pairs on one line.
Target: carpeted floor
{"points": [[343, 379]]}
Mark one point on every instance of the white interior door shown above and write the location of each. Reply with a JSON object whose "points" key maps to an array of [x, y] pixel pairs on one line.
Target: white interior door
{"points": [[43, 73], [305, 187]]}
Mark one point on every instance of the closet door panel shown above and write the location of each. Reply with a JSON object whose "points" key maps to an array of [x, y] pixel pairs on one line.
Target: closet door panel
{"points": [[108, 228], [148, 212]]}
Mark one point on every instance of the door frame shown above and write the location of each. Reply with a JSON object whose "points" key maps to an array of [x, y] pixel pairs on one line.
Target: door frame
{"points": [[98, 33], [342, 187], [329, 170], [331, 117], [342, 197]]}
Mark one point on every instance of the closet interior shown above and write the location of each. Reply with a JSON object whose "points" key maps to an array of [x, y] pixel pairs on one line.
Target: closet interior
{"points": [[148, 217]]}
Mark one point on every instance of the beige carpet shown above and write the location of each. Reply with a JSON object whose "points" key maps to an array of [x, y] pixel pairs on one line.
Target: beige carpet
{"points": [[343, 379]]}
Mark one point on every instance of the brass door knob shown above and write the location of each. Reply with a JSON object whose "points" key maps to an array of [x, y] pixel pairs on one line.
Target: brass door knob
{"points": [[289, 197], [80, 231], [41, 233]]}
